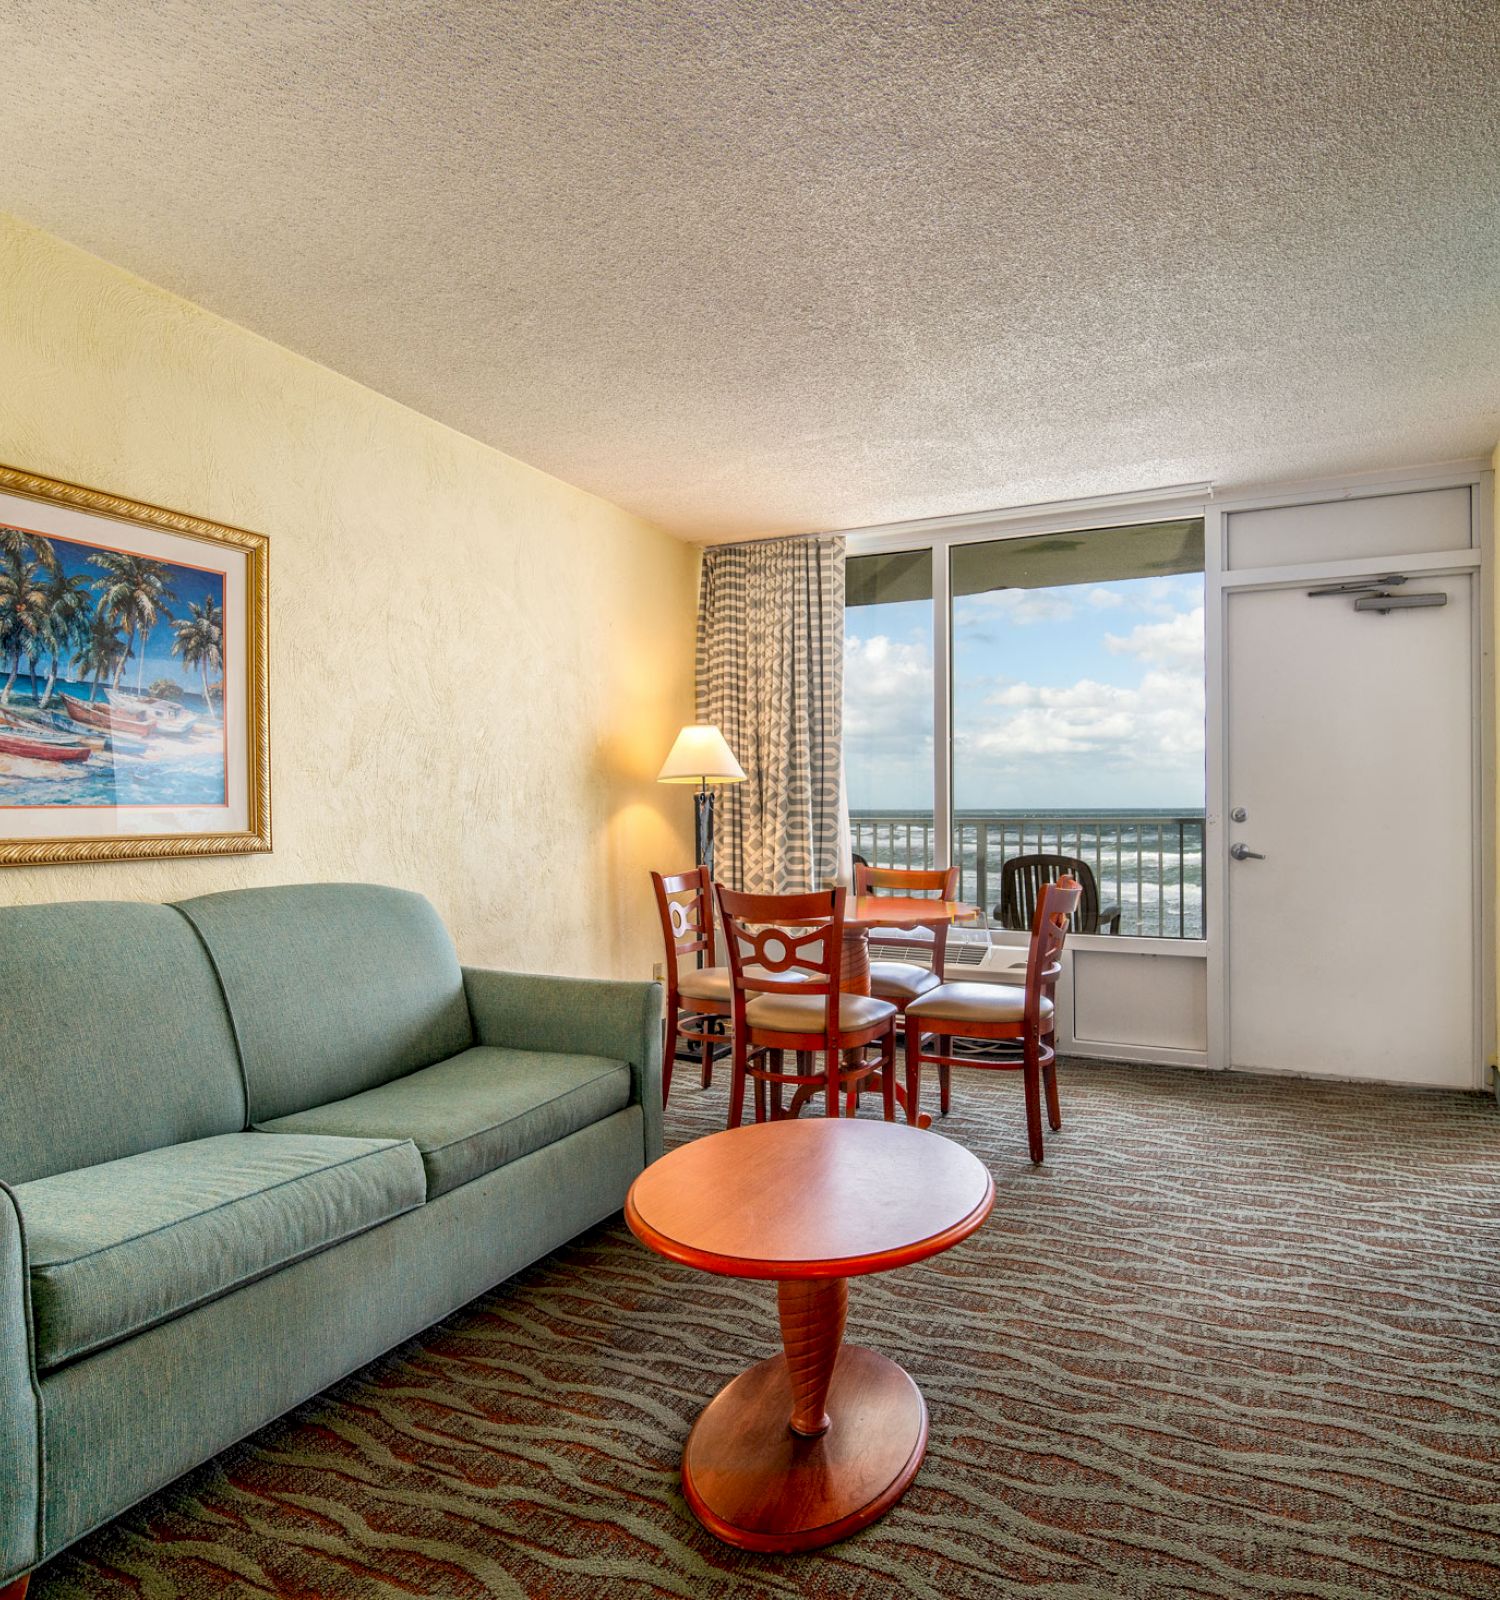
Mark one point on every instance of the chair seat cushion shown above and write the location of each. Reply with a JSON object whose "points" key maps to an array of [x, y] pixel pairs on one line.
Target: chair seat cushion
{"points": [[705, 983], [806, 1013], [476, 1111], [717, 983], [974, 1002], [901, 980], [119, 1247]]}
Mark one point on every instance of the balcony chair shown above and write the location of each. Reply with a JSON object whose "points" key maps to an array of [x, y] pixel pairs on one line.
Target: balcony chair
{"points": [[1022, 879], [784, 958], [996, 1013], [901, 982], [698, 998]]}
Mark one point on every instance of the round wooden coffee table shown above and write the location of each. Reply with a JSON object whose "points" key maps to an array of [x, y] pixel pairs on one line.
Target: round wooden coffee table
{"points": [[815, 1443]]}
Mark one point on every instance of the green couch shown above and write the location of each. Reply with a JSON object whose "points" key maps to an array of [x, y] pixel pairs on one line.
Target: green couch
{"points": [[251, 1141]]}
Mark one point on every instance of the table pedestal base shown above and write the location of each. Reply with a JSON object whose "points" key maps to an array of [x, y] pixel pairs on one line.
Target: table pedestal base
{"points": [[753, 1482]]}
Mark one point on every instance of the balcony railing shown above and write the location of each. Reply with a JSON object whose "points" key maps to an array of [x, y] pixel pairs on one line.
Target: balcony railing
{"points": [[1148, 863]]}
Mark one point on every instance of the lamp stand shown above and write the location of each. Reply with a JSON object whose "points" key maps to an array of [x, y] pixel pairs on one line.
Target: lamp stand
{"points": [[703, 827], [703, 838]]}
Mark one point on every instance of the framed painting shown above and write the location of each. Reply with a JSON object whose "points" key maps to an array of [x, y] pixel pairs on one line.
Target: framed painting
{"points": [[133, 694]]}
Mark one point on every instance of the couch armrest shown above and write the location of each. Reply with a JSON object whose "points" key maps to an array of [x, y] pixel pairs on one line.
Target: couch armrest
{"points": [[585, 1016], [20, 1404]]}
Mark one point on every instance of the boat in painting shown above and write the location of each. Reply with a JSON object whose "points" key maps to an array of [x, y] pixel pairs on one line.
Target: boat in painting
{"points": [[27, 718], [36, 746], [109, 717], [132, 744], [166, 716]]}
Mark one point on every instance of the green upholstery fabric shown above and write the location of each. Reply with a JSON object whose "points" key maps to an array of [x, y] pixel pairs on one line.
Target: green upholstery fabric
{"points": [[168, 1281], [333, 987], [20, 1416], [119, 1247], [113, 1037], [476, 1111], [141, 1413], [577, 1016]]}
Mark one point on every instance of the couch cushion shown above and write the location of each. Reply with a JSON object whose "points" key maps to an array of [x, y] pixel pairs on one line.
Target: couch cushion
{"points": [[476, 1111], [333, 987], [119, 1247], [113, 1037]]}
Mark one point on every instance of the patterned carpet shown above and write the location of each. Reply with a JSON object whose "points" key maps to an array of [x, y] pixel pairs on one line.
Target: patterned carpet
{"points": [[1239, 1338]]}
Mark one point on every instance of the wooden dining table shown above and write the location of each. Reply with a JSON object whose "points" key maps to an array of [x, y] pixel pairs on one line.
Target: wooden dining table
{"points": [[866, 911]]}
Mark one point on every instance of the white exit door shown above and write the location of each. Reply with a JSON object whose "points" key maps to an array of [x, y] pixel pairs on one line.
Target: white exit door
{"points": [[1352, 929]]}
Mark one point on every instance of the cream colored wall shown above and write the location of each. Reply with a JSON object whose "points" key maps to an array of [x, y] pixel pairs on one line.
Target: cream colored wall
{"points": [[476, 669]]}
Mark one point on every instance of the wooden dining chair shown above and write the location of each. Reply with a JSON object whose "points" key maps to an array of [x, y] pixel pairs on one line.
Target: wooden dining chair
{"points": [[991, 1012], [901, 982], [784, 959], [698, 998]]}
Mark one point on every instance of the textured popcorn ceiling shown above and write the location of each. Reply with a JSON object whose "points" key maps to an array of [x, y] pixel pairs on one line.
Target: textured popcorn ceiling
{"points": [[775, 266]]}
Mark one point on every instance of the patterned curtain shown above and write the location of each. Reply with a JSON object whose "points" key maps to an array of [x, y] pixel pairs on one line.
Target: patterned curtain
{"points": [[771, 675]]}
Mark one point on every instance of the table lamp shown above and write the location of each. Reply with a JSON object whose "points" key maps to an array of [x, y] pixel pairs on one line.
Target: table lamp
{"points": [[700, 756]]}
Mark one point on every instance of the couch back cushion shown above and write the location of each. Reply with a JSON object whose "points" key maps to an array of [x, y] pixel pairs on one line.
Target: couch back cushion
{"points": [[113, 1037], [333, 988]]}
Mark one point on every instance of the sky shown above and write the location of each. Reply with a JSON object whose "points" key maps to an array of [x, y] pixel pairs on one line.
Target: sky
{"points": [[1063, 699]]}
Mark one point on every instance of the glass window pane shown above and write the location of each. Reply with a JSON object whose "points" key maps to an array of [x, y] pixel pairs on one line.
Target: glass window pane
{"points": [[1078, 720], [888, 761]]}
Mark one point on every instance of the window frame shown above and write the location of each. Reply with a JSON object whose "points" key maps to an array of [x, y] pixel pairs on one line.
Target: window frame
{"points": [[941, 535]]}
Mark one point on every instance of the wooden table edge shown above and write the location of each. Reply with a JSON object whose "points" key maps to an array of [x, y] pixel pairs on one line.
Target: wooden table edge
{"points": [[831, 1267]]}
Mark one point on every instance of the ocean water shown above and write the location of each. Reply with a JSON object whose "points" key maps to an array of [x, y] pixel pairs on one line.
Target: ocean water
{"points": [[169, 772], [1147, 862]]}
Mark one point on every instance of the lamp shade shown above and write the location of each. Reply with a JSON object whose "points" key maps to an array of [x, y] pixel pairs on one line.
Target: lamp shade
{"points": [[700, 756]]}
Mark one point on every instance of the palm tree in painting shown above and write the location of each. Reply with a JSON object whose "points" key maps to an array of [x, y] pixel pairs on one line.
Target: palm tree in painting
{"points": [[16, 543], [135, 593], [200, 642], [24, 557], [23, 597], [102, 653], [66, 627]]}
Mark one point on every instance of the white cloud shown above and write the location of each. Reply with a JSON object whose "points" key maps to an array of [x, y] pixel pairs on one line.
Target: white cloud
{"points": [[1166, 597], [1018, 607], [887, 695], [887, 721], [1176, 642], [1085, 743], [1152, 731], [1104, 599]]}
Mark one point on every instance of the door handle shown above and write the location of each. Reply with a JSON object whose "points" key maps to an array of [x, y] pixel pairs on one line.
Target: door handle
{"points": [[1243, 852]]}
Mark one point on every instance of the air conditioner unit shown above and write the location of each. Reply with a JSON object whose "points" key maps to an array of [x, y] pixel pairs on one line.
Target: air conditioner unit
{"points": [[971, 957]]}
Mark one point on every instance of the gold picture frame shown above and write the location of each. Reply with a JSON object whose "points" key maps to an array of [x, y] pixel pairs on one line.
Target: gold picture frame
{"points": [[93, 583]]}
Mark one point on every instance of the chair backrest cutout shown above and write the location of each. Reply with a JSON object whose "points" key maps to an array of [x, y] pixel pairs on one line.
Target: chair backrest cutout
{"points": [[684, 901], [793, 943]]}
